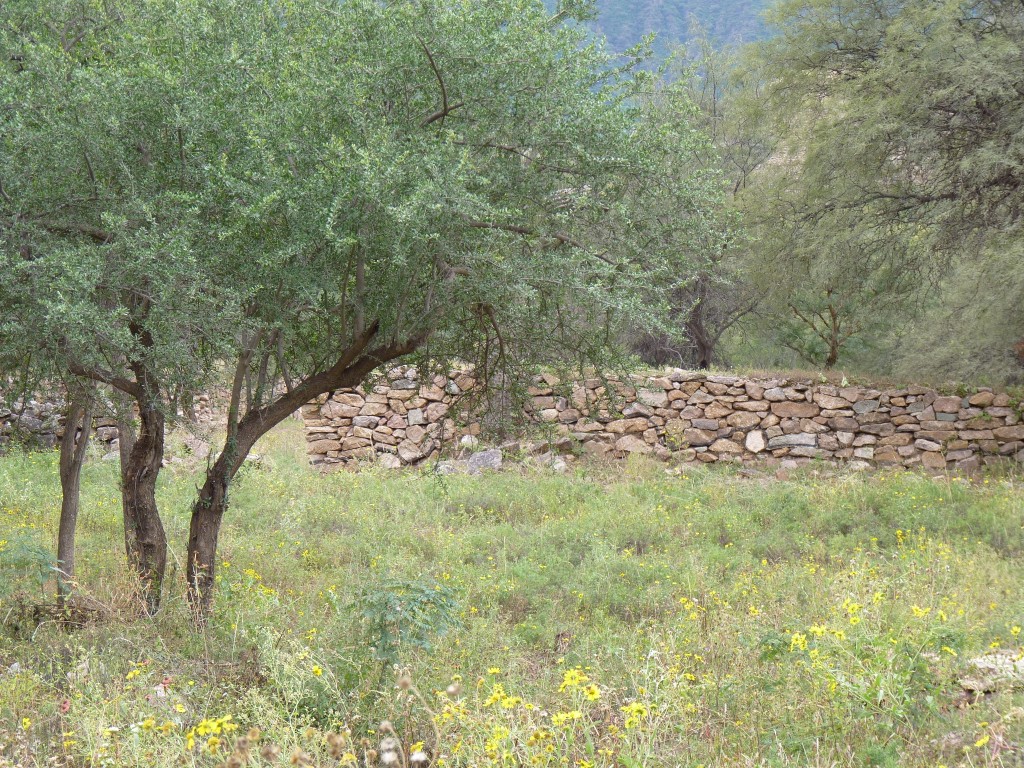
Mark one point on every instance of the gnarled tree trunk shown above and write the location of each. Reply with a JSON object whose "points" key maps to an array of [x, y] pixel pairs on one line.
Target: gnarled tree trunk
{"points": [[204, 528], [243, 431], [144, 537], [73, 444]]}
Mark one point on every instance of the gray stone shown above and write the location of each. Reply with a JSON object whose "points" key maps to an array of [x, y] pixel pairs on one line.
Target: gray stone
{"points": [[756, 406], [699, 437], [389, 461], [1001, 669], [485, 460], [625, 426], [806, 451], [959, 456], [653, 397], [795, 410], [881, 430], [828, 442], [947, 404], [799, 438], [865, 406], [373, 409], [632, 444], [743, 420], [704, 423], [323, 446], [726, 446], [409, 452], [831, 403], [636, 410], [354, 443], [436, 411]]}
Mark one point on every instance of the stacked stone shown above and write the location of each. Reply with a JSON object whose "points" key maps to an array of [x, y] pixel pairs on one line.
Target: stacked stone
{"points": [[40, 424], [400, 420], [692, 416]]}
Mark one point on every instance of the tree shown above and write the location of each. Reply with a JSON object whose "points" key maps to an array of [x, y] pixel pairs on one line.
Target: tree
{"points": [[900, 131], [309, 190], [713, 294], [73, 446], [98, 278]]}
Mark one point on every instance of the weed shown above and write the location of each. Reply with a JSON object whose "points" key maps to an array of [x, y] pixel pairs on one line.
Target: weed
{"points": [[617, 616]]}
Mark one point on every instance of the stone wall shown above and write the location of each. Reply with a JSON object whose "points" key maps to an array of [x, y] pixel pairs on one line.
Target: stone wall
{"points": [[402, 420], [39, 422]]}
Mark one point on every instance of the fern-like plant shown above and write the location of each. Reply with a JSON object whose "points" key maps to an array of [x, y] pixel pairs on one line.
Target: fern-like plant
{"points": [[409, 614]]}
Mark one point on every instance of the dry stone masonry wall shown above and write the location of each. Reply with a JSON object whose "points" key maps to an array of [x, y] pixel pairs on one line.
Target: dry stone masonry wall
{"points": [[39, 422], [404, 419]]}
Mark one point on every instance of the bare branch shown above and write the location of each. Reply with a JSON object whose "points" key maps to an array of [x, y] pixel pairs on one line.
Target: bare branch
{"points": [[557, 237], [97, 234], [107, 377], [445, 110], [442, 113]]}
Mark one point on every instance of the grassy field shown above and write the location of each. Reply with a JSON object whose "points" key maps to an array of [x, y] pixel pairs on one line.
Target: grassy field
{"points": [[615, 616]]}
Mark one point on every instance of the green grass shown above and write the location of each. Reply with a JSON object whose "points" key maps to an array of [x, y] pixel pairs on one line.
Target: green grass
{"points": [[717, 620]]}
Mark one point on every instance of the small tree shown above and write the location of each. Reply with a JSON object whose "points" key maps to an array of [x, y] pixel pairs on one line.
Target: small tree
{"points": [[97, 219], [713, 293]]}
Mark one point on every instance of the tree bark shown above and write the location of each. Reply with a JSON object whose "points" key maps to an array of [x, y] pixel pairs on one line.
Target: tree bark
{"points": [[702, 340], [144, 536], [73, 445], [209, 508]]}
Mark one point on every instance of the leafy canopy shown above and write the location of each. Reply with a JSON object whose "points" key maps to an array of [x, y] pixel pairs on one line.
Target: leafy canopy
{"points": [[186, 180]]}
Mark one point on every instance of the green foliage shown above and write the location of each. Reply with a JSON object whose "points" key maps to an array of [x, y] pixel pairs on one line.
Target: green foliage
{"points": [[23, 560], [300, 193], [289, 195], [408, 614], [894, 188]]}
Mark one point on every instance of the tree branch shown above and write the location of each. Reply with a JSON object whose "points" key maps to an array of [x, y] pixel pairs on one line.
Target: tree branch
{"points": [[107, 377], [97, 234], [441, 114], [445, 110], [556, 236]]}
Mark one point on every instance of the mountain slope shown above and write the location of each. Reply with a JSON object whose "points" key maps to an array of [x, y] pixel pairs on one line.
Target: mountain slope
{"points": [[625, 22]]}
